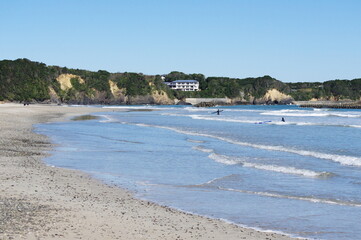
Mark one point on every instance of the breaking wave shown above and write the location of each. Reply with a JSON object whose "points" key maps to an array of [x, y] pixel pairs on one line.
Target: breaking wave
{"points": [[274, 168], [342, 159], [305, 198], [306, 113], [234, 120], [203, 149]]}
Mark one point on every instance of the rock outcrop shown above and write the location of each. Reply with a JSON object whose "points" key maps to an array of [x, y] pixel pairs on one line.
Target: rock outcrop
{"points": [[273, 96], [65, 80], [154, 98]]}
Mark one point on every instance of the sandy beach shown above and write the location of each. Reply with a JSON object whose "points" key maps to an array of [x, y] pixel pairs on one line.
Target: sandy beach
{"points": [[43, 202]]}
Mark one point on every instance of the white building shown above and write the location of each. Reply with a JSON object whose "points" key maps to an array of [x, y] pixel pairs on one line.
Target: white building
{"points": [[184, 85]]}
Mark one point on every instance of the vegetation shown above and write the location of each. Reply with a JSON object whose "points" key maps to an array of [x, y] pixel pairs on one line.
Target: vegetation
{"points": [[133, 83], [329, 90], [220, 87], [24, 80]]}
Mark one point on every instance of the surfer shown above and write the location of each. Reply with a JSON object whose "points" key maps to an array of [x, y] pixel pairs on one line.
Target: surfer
{"points": [[283, 120], [218, 111]]}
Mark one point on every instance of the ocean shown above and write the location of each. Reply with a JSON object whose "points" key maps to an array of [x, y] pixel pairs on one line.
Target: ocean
{"points": [[301, 177]]}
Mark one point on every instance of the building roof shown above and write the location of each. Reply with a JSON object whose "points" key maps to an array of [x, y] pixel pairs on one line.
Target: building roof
{"points": [[186, 81]]}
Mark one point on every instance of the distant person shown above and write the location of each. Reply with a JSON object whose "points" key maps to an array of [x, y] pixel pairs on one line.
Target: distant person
{"points": [[218, 111], [283, 120]]}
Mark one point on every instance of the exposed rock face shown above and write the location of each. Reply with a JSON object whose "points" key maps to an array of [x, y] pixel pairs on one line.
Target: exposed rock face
{"points": [[117, 95], [117, 92], [273, 96], [64, 80], [53, 95], [93, 96], [160, 97], [155, 98]]}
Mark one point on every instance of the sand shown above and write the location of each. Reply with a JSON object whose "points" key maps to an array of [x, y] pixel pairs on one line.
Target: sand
{"points": [[43, 202]]}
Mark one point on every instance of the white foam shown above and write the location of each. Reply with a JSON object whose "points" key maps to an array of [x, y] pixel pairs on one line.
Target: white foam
{"points": [[289, 114], [223, 119], [224, 159], [203, 149], [107, 119], [342, 159], [288, 170], [200, 109], [195, 141], [216, 180], [346, 115], [309, 199], [228, 160], [209, 118], [306, 113]]}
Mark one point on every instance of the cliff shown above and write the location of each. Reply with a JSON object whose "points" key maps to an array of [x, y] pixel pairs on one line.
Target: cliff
{"points": [[24, 80]]}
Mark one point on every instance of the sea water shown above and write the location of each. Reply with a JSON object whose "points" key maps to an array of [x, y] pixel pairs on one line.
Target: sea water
{"points": [[301, 177]]}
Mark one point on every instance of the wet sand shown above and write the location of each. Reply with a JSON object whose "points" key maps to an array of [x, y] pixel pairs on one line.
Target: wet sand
{"points": [[42, 202]]}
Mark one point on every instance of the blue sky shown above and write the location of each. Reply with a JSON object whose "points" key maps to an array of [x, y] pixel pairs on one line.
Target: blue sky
{"points": [[291, 40]]}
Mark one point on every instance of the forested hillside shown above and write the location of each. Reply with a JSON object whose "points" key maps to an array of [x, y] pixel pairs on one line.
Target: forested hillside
{"points": [[25, 80]]}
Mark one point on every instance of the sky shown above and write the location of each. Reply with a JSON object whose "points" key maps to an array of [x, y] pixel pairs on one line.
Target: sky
{"points": [[290, 40]]}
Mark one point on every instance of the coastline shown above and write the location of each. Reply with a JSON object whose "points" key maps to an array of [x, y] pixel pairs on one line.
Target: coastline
{"points": [[43, 202]]}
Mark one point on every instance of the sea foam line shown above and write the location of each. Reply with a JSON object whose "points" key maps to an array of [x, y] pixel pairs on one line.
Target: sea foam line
{"points": [[223, 119], [202, 149], [342, 159], [197, 109], [304, 113], [309, 199], [273, 168]]}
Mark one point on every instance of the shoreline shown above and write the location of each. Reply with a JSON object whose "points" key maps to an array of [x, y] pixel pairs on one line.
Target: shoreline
{"points": [[38, 201]]}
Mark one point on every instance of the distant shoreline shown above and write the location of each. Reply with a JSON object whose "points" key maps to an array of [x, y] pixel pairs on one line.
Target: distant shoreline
{"points": [[212, 102]]}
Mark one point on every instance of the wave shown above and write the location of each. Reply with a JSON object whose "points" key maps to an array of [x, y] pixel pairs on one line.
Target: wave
{"points": [[203, 149], [200, 109], [290, 170], [224, 159], [107, 119], [284, 114], [342, 159], [228, 160], [209, 118], [213, 182], [195, 141], [223, 119], [303, 198], [312, 124], [306, 113]]}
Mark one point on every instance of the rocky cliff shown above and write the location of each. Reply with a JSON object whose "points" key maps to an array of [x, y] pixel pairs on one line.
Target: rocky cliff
{"points": [[24, 80], [74, 90]]}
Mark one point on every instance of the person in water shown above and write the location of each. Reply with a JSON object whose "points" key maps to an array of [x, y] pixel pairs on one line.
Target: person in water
{"points": [[283, 120], [218, 111]]}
